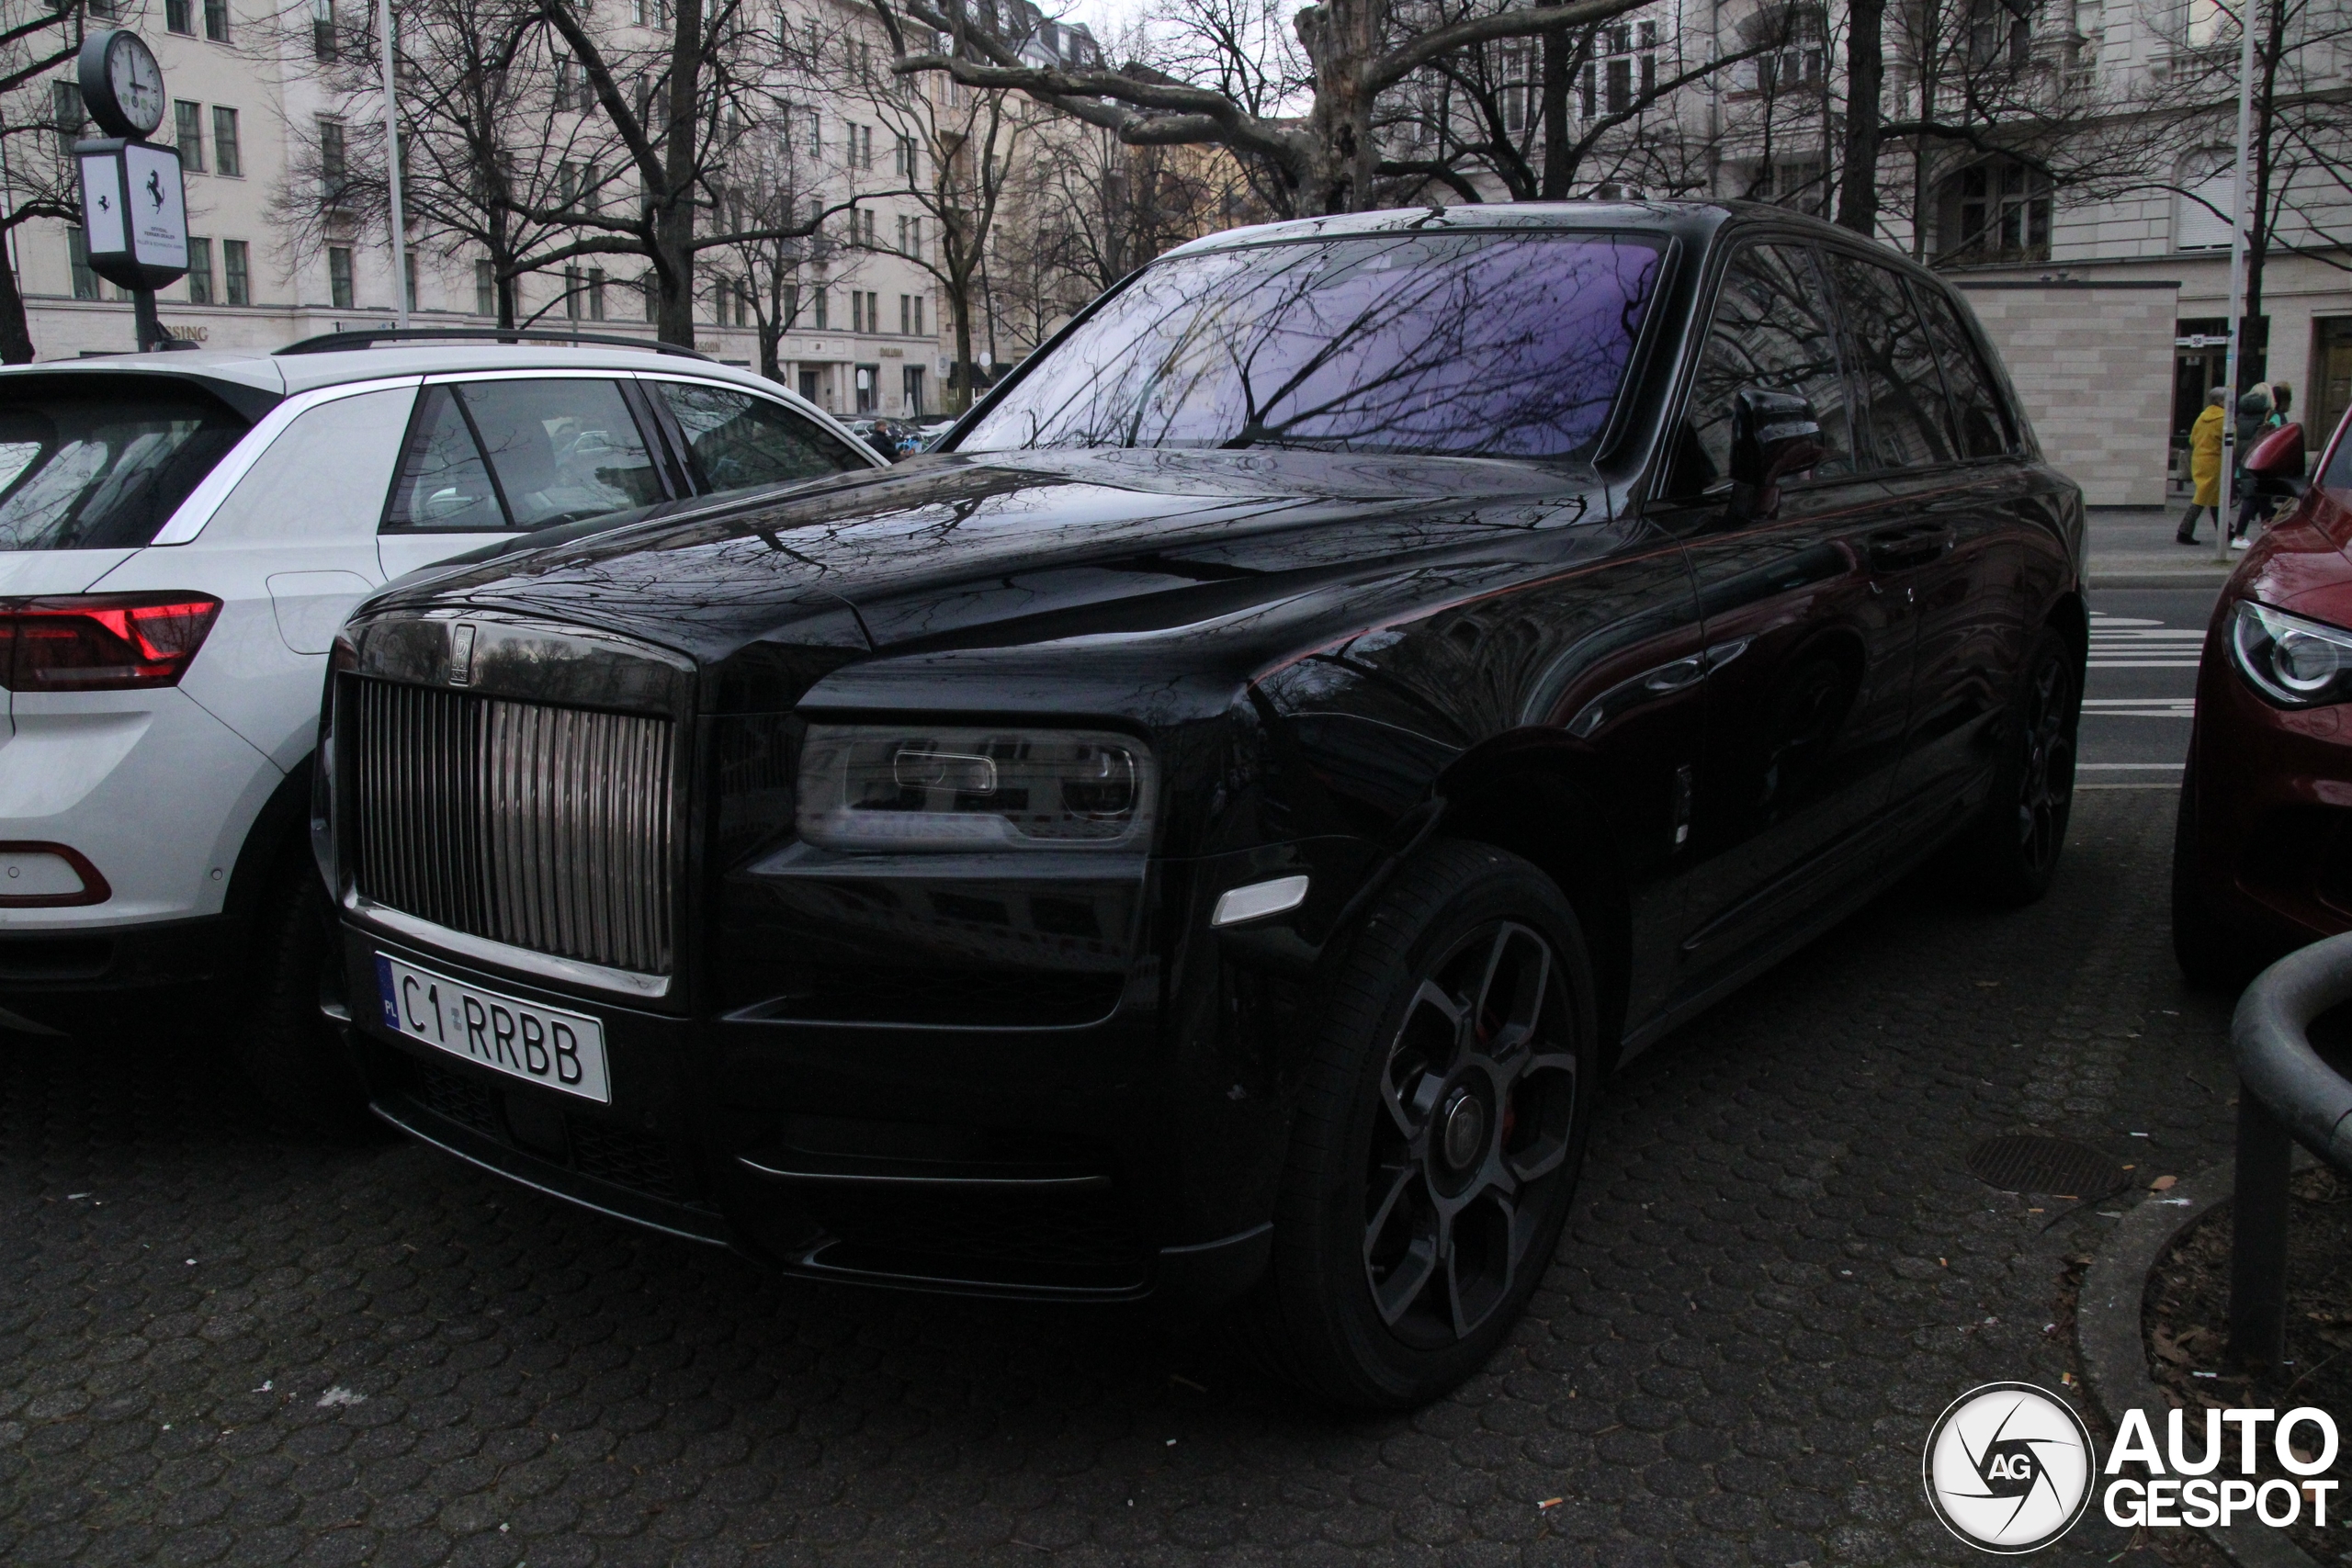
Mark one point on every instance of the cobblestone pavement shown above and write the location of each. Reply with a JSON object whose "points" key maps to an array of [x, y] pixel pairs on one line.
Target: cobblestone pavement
{"points": [[218, 1344]]}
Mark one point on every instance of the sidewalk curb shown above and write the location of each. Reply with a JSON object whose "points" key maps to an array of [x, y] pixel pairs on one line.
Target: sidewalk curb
{"points": [[2114, 1357]]}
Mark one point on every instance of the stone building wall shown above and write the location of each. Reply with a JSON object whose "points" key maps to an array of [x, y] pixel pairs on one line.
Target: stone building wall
{"points": [[2092, 363]]}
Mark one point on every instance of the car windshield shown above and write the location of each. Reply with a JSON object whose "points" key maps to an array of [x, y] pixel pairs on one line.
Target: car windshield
{"points": [[83, 470], [1468, 345]]}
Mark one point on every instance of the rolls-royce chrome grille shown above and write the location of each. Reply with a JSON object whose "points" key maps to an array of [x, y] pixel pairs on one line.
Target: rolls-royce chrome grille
{"points": [[544, 828]]}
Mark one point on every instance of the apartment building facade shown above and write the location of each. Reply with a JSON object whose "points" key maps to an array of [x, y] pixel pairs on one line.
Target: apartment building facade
{"points": [[265, 117]]}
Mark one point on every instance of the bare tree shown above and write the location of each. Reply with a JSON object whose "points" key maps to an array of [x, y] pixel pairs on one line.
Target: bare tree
{"points": [[1325, 160], [40, 116], [2299, 152]]}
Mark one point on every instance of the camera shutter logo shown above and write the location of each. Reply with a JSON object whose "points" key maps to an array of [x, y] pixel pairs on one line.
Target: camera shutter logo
{"points": [[2009, 1468]]}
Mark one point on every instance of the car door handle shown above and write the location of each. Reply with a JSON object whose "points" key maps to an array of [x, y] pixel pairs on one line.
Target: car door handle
{"points": [[1914, 545]]}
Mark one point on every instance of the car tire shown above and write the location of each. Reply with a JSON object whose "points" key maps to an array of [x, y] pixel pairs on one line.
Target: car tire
{"points": [[2210, 956], [287, 1047], [1441, 1125], [2011, 852]]}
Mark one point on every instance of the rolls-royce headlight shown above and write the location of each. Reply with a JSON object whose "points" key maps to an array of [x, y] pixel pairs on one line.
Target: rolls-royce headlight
{"points": [[967, 787], [2294, 663]]}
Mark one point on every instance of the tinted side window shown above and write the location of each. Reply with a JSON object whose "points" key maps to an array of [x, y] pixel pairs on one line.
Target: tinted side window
{"points": [[1901, 391], [736, 441], [562, 450], [521, 455], [444, 483], [1975, 403], [1771, 329]]}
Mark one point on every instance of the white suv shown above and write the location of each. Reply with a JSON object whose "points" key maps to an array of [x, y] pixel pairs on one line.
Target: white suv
{"points": [[180, 536]]}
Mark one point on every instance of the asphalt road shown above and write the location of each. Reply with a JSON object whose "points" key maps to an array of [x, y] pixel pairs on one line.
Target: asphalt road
{"points": [[2139, 696]]}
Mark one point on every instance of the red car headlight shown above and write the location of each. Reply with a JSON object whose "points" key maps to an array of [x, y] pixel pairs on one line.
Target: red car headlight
{"points": [[2291, 662]]}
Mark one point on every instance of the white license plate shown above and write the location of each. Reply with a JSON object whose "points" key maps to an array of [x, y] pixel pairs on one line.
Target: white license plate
{"points": [[538, 1044]]}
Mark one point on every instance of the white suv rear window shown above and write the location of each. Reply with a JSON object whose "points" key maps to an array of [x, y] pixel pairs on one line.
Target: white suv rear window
{"points": [[102, 467]]}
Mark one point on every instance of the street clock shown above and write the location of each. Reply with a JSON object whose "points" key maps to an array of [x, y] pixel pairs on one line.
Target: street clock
{"points": [[122, 85], [134, 203]]}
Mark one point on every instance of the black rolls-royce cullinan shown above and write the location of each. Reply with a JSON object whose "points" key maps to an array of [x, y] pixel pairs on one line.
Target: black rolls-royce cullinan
{"points": [[1210, 831]]}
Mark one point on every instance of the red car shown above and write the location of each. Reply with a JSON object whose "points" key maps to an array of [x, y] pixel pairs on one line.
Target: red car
{"points": [[2262, 859]]}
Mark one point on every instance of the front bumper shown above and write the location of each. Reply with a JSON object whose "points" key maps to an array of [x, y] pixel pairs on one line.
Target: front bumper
{"points": [[1075, 1161], [2271, 854]]}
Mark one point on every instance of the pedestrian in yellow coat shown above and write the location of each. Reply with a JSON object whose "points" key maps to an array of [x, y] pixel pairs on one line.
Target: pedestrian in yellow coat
{"points": [[2205, 465]]}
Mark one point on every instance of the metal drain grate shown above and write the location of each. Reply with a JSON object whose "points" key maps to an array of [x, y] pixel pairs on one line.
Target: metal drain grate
{"points": [[2058, 1166]]}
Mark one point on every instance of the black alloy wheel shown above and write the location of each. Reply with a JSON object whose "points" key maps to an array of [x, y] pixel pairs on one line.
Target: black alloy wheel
{"points": [[1479, 1094], [2012, 852], [1441, 1127]]}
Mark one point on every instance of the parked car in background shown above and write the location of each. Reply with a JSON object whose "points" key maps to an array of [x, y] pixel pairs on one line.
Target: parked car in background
{"points": [[180, 536], [2262, 857], [1211, 832]]}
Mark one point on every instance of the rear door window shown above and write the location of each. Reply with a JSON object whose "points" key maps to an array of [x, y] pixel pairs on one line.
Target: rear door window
{"points": [[736, 441], [1900, 388], [103, 467], [522, 454]]}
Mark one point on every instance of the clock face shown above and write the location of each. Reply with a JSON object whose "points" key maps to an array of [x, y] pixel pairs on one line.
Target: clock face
{"points": [[138, 81]]}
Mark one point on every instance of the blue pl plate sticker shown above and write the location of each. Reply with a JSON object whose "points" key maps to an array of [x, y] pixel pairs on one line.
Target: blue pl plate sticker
{"points": [[384, 992]]}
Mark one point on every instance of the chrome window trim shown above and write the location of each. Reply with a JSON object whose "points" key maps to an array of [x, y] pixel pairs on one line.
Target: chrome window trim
{"points": [[483, 950], [188, 521]]}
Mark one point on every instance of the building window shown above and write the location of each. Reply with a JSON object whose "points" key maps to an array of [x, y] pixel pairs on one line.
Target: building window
{"points": [[485, 290], [65, 111], [178, 17], [563, 82], [919, 331], [2206, 23], [236, 261], [574, 285], [322, 39], [873, 312], [816, 134], [596, 294], [103, 10], [817, 306], [1797, 51], [335, 167], [199, 271], [905, 166], [2201, 216], [187, 129], [77, 261], [408, 279], [1995, 34], [339, 292], [216, 20], [912, 376], [228, 153], [1995, 212], [906, 315], [856, 311]]}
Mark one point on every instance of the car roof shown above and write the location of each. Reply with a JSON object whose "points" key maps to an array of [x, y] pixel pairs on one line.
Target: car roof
{"points": [[1648, 215], [283, 375]]}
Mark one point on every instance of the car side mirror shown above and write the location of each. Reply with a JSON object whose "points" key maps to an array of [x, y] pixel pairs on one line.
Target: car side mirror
{"points": [[2275, 464], [1774, 436]]}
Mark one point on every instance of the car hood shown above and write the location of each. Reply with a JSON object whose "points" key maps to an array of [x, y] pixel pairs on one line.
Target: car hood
{"points": [[1001, 549]]}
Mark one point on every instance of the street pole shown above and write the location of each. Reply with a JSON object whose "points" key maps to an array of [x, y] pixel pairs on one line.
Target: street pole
{"points": [[2238, 221], [392, 170]]}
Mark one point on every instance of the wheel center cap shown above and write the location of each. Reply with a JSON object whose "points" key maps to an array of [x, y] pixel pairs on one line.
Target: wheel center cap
{"points": [[1462, 1133]]}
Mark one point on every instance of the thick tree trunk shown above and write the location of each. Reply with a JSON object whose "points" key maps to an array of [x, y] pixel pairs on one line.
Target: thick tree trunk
{"points": [[959, 304], [673, 222], [1865, 73], [1560, 61], [1342, 42], [16, 333]]}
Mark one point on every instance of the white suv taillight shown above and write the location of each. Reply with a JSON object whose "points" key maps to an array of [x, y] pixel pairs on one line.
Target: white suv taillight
{"points": [[101, 642]]}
